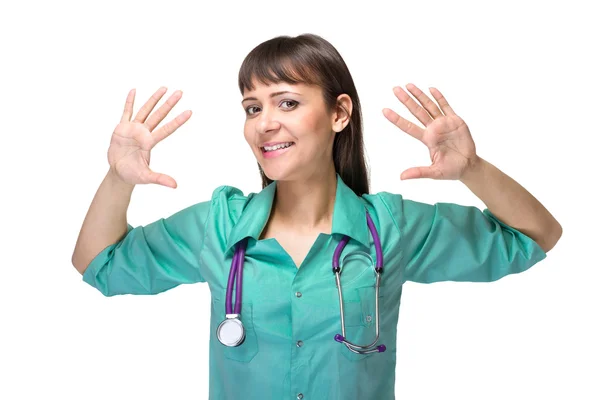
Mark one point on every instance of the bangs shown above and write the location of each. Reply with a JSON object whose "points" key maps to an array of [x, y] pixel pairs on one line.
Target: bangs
{"points": [[275, 61]]}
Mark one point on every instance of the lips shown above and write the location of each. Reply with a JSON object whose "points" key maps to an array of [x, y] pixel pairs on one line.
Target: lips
{"points": [[271, 144], [276, 153], [274, 143]]}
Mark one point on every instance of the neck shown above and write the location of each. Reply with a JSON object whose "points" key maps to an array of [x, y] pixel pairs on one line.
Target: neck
{"points": [[307, 204]]}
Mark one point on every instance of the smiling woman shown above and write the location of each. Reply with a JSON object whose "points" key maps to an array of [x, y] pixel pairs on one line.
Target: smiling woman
{"points": [[313, 256], [325, 121]]}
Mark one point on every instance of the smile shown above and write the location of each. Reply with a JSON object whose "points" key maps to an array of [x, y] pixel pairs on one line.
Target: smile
{"points": [[278, 149]]}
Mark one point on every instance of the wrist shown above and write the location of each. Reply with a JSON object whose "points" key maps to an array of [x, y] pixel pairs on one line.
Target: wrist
{"points": [[475, 168], [113, 178]]}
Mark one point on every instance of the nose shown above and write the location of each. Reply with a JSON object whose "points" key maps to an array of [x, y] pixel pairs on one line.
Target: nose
{"points": [[267, 121]]}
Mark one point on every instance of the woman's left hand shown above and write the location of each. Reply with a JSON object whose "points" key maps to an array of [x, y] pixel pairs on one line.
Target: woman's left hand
{"points": [[446, 135]]}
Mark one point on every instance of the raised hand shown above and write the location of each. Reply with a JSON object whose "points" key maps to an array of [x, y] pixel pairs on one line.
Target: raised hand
{"points": [[131, 141], [451, 147]]}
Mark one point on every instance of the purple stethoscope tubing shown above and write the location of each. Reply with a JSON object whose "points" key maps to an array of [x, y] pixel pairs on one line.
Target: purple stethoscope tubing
{"points": [[235, 276]]}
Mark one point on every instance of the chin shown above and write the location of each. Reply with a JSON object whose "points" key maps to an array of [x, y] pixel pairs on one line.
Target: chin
{"points": [[275, 176], [279, 174]]}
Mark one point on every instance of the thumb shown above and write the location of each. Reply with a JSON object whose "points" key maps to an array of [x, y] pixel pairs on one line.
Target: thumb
{"points": [[161, 179], [419, 172]]}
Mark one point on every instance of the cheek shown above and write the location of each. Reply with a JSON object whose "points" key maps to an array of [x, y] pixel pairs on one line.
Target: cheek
{"points": [[322, 131], [247, 135], [313, 126]]}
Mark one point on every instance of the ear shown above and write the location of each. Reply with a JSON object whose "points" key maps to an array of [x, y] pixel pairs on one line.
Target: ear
{"points": [[342, 113]]}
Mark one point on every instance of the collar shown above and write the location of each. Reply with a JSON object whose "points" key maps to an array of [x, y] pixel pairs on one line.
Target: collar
{"points": [[349, 215]]}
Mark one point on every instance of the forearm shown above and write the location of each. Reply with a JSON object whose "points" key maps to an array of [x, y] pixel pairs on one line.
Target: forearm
{"points": [[105, 222], [512, 203]]}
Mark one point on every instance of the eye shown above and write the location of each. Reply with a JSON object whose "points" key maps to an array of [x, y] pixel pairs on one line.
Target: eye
{"points": [[249, 108], [292, 102]]}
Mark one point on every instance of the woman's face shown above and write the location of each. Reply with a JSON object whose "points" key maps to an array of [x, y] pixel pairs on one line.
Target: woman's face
{"points": [[290, 130]]}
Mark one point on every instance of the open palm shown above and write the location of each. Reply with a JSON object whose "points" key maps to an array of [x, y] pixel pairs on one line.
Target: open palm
{"points": [[132, 140], [451, 147]]}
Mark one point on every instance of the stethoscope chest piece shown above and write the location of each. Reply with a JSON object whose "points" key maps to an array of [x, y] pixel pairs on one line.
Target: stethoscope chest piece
{"points": [[231, 331]]}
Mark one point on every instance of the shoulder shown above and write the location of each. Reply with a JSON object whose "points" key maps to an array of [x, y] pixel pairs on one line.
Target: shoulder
{"points": [[223, 198], [384, 208], [398, 205], [408, 214], [383, 202], [229, 200], [226, 193], [401, 212], [230, 196]]}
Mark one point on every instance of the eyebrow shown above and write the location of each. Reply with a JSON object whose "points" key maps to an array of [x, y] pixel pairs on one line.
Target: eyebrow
{"points": [[274, 94]]}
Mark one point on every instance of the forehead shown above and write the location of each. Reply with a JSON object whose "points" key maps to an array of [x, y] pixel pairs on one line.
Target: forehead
{"points": [[261, 89]]}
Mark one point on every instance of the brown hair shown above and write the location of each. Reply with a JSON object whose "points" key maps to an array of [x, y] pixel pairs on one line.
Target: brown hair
{"points": [[312, 60]]}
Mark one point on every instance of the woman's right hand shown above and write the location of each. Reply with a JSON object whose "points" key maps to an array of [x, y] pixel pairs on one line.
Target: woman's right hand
{"points": [[131, 141]]}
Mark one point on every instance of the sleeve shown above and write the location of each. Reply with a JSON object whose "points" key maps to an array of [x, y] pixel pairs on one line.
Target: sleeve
{"points": [[451, 242], [153, 258]]}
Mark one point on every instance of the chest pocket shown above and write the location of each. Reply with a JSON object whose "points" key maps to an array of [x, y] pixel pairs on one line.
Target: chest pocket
{"points": [[358, 286], [246, 351], [360, 320]]}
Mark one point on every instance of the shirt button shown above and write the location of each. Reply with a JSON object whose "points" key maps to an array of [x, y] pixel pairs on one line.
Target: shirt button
{"points": [[368, 318], [298, 294], [299, 343], [300, 396]]}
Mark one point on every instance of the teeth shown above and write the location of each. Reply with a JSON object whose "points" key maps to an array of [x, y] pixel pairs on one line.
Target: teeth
{"points": [[278, 146]]}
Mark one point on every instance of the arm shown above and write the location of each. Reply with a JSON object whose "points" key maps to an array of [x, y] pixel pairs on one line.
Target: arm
{"points": [[454, 157], [116, 258], [451, 242], [105, 222], [457, 243], [511, 203]]}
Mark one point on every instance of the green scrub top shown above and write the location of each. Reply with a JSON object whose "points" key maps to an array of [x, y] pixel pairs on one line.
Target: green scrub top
{"points": [[291, 314]]}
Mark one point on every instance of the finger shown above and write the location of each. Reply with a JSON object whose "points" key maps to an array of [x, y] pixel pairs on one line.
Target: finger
{"points": [[160, 114], [150, 104], [405, 125], [172, 126], [442, 101], [128, 111], [421, 172], [160, 179], [425, 101], [412, 106]]}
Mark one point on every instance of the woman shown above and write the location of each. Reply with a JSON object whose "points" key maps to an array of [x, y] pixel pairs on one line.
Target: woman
{"points": [[303, 124]]}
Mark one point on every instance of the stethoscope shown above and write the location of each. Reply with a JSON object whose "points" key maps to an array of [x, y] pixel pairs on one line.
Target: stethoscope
{"points": [[231, 331]]}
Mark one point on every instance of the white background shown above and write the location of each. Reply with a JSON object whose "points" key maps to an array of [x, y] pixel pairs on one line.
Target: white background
{"points": [[522, 74]]}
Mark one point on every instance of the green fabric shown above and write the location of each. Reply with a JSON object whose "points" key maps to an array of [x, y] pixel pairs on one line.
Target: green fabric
{"points": [[420, 242]]}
